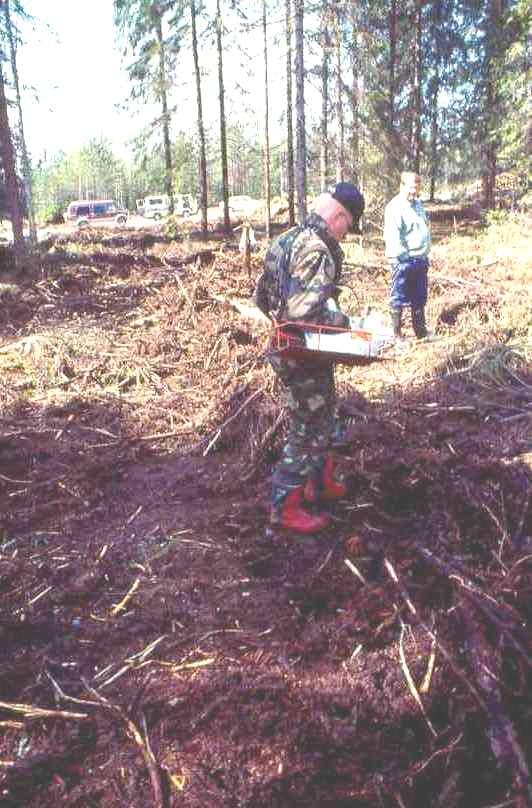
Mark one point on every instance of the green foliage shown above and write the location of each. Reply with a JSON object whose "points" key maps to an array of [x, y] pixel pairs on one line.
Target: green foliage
{"points": [[171, 227], [140, 24], [185, 154], [514, 89], [52, 213], [244, 154], [495, 218], [148, 170], [92, 172]]}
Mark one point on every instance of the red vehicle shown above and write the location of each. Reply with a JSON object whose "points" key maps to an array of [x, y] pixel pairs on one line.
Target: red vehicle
{"points": [[85, 212]]}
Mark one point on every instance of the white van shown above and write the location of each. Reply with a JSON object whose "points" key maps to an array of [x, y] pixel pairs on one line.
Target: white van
{"points": [[153, 207]]}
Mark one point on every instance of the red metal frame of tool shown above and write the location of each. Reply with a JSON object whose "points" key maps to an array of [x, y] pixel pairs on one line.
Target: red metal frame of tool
{"points": [[288, 340]]}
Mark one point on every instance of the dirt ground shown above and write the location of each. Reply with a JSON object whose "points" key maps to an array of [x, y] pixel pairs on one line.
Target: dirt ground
{"points": [[160, 645]]}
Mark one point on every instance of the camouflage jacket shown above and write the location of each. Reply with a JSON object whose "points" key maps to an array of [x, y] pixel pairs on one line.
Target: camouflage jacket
{"points": [[301, 271]]}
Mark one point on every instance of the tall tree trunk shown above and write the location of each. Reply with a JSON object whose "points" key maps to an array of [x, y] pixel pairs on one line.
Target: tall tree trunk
{"points": [[157, 18], [324, 144], [490, 144], [340, 151], [289, 123], [416, 92], [301, 150], [434, 98], [392, 33], [434, 135], [223, 131], [201, 128], [355, 143], [391, 157], [266, 127], [362, 137], [26, 167], [8, 163]]}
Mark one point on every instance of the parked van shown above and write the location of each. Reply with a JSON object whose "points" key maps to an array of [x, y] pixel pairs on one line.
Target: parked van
{"points": [[153, 207], [95, 211]]}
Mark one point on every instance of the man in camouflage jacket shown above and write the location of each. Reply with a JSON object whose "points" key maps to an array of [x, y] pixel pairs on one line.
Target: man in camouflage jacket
{"points": [[299, 285]]}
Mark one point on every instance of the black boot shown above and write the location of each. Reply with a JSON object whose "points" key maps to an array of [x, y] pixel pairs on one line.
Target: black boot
{"points": [[418, 323], [397, 317]]}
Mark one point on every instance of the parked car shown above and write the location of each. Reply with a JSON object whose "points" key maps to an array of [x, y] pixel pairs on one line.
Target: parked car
{"points": [[95, 211]]}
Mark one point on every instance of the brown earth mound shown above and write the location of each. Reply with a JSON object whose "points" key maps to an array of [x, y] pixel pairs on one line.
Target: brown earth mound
{"points": [[160, 646]]}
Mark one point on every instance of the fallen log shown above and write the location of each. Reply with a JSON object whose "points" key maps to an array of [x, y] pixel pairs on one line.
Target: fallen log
{"points": [[507, 624]]}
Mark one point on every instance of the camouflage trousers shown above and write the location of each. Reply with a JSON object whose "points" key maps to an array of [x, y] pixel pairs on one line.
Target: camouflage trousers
{"points": [[309, 396]]}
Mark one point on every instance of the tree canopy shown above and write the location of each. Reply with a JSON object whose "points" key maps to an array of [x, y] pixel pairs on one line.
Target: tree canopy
{"points": [[441, 87]]}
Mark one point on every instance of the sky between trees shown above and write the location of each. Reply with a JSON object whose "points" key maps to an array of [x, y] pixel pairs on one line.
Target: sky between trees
{"points": [[66, 105], [376, 86]]}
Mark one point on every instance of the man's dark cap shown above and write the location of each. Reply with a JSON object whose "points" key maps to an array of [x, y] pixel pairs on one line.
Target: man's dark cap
{"points": [[352, 200]]}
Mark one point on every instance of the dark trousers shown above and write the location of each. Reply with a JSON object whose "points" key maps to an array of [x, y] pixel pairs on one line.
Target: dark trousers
{"points": [[409, 283]]}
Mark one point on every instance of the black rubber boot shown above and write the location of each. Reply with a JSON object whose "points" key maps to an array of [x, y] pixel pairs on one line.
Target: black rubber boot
{"points": [[397, 320], [418, 323]]}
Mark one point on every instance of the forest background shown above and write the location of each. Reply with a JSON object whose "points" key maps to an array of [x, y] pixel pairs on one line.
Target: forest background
{"points": [[283, 97]]}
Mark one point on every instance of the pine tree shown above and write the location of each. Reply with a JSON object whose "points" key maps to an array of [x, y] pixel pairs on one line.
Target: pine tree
{"points": [[223, 124], [7, 154], [201, 128], [26, 166], [324, 123], [154, 54], [267, 181], [355, 97], [340, 146], [417, 79], [156, 13], [301, 152], [289, 120], [515, 124]]}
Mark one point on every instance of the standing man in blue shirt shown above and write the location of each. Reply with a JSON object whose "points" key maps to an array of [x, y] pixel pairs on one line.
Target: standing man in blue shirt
{"points": [[407, 240]]}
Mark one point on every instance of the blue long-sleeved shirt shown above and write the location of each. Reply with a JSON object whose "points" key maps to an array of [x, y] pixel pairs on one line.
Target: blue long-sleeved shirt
{"points": [[406, 229]]}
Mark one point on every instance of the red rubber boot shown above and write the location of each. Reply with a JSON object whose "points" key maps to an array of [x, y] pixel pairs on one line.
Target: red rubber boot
{"points": [[331, 488], [328, 488], [294, 517]]}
